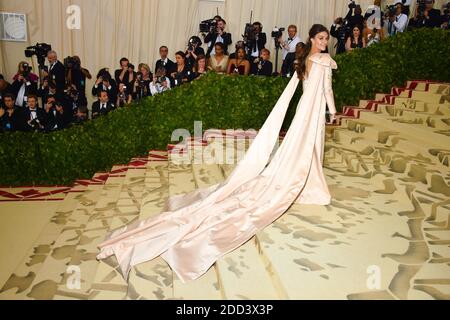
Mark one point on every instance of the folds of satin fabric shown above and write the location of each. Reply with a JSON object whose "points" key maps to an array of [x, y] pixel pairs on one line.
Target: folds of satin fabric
{"points": [[202, 226]]}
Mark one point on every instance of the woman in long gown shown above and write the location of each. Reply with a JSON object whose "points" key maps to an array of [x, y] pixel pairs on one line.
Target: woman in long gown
{"points": [[198, 228]]}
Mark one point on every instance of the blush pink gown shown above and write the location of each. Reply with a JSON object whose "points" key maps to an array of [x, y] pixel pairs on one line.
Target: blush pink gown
{"points": [[198, 228]]}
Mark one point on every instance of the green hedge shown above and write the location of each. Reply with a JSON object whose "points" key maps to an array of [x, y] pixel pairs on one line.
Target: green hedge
{"points": [[219, 102]]}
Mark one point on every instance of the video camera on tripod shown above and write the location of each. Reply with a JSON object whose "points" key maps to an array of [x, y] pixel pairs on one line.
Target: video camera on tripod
{"points": [[40, 50]]}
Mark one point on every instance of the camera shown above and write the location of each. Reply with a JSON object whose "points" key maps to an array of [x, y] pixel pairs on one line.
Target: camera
{"points": [[352, 5], [207, 26], [26, 70], [194, 42], [36, 125], [72, 63], [421, 7], [40, 50], [277, 32], [391, 10]]}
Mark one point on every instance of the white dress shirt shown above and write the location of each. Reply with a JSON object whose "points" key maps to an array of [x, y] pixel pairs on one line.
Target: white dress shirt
{"points": [[400, 22], [290, 44]]}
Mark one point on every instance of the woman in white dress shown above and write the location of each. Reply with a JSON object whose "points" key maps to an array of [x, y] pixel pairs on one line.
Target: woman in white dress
{"points": [[200, 227]]}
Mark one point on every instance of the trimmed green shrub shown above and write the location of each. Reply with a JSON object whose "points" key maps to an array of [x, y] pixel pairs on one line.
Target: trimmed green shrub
{"points": [[226, 102]]}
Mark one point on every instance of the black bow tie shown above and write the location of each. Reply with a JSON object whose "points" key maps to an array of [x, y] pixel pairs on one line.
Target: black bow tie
{"points": [[290, 39]]}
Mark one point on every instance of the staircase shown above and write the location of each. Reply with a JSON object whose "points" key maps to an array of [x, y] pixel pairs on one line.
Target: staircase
{"points": [[386, 234]]}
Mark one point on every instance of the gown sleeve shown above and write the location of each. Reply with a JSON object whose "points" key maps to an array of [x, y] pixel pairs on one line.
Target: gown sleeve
{"points": [[328, 90]]}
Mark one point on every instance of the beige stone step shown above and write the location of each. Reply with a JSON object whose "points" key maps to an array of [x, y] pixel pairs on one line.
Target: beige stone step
{"points": [[33, 260], [144, 282], [374, 123], [44, 283], [122, 201]]}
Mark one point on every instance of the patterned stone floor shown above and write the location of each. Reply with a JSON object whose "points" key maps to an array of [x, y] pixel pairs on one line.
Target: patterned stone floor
{"points": [[386, 234]]}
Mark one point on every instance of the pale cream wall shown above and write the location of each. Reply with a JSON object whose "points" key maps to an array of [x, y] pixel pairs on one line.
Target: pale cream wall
{"points": [[136, 28]]}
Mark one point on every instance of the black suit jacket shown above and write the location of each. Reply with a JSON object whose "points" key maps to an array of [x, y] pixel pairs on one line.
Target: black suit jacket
{"points": [[26, 116], [10, 123], [112, 93], [96, 112], [30, 88], [434, 20], [266, 69], [288, 64], [260, 43], [170, 66], [58, 75], [212, 37], [55, 120]]}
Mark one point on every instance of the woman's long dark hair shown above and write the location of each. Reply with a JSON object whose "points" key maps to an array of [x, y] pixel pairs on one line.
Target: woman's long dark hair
{"points": [[300, 66]]}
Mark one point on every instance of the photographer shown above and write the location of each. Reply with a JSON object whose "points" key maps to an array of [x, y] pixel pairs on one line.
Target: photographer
{"points": [[56, 71], [426, 16], [160, 82], [262, 66], [123, 97], [81, 115], [105, 83], [164, 61], [288, 67], [56, 115], [398, 20], [9, 115], [257, 40], [141, 87], [290, 43], [5, 88], [33, 118], [193, 50], [357, 18], [72, 100], [102, 106], [218, 35], [356, 40], [76, 75], [125, 74], [25, 84], [340, 31]]}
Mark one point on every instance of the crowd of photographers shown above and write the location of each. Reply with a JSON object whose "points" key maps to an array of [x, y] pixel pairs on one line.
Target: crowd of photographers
{"points": [[56, 98], [358, 30]]}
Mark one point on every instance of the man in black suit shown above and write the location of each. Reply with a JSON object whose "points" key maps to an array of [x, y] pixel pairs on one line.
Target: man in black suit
{"points": [[23, 86], [165, 62], [33, 118], [218, 35], [288, 67], [10, 115], [5, 88], [258, 41], [56, 71], [103, 106], [58, 114], [262, 66], [105, 83]]}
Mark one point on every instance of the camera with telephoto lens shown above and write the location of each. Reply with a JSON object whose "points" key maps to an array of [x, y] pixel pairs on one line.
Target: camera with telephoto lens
{"points": [[36, 125], [40, 50], [194, 42], [208, 26], [72, 63], [277, 32], [391, 10], [352, 5], [26, 70]]}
